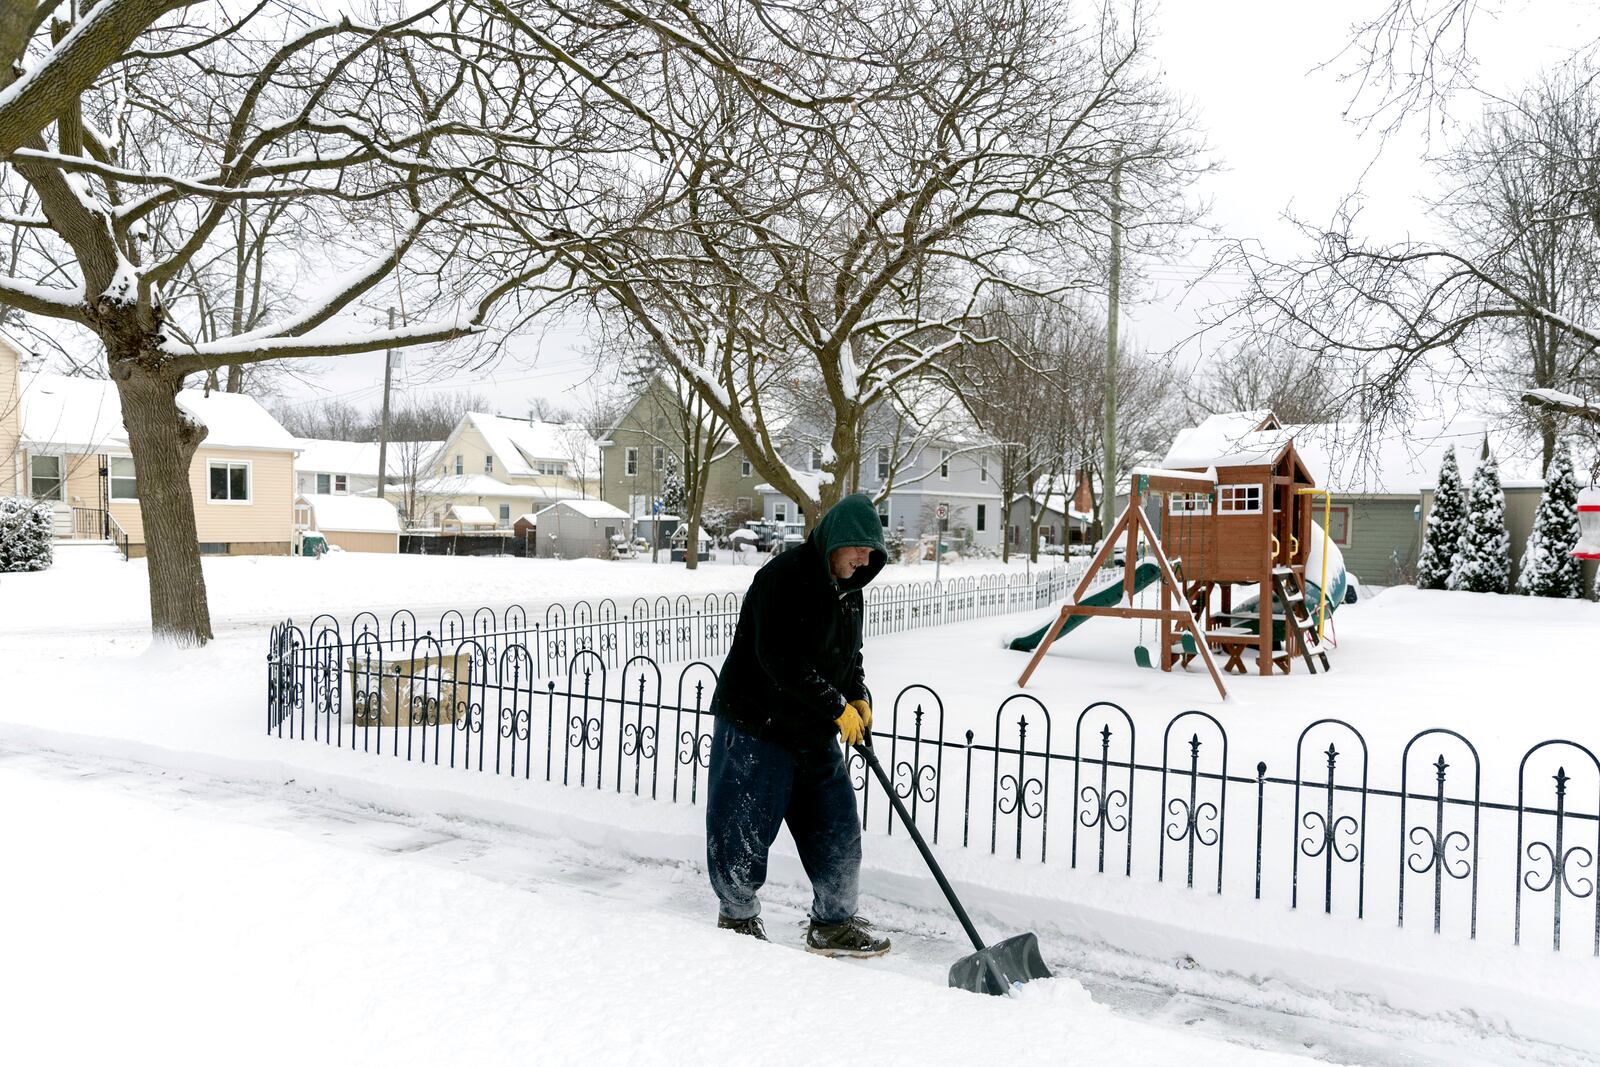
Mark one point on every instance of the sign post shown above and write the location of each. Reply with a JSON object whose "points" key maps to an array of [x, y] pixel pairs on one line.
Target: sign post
{"points": [[940, 512]]}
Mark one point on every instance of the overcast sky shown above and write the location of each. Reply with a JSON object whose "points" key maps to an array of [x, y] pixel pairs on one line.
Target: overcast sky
{"points": [[1275, 126]]}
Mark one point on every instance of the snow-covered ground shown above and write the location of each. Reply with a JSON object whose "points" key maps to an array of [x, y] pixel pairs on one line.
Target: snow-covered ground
{"points": [[193, 878]]}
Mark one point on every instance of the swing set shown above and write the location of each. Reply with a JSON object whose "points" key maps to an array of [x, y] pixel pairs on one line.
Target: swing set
{"points": [[1178, 630]]}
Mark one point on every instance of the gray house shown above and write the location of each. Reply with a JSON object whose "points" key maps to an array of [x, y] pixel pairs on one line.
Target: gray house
{"points": [[579, 529], [954, 467]]}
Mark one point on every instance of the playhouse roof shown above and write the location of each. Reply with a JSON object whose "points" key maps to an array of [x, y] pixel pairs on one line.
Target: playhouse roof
{"points": [[1344, 457]]}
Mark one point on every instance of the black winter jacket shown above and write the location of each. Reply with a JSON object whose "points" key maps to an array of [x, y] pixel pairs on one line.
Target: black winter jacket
{"points": [[796, 656]]}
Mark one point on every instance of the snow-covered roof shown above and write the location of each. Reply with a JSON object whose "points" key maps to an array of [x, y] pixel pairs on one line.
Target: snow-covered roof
{"points": [[1344, 457], [590, 509], [528, 517], [85, 415], [484, 485], [521, 442], [352, 514], [472, 514], [357, 458], [1061, 504]]}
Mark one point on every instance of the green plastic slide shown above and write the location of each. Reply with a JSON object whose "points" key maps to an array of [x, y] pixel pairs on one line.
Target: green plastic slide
{"points": [[1106, 597]]}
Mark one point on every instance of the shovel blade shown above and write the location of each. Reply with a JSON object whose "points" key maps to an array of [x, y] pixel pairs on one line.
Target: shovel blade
{"points": [[996, 969]]}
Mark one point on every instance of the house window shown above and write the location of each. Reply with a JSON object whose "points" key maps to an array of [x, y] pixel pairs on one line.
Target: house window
{"points": [[324, 484], [228, 482], [1239, 500], [460, 468], [742, 503], [1189, 504], [124, 482], [744, 468], [1016, 534], [1047, 534], [1339, 525], [341, 483], [44, 477], [630, 463], [505, 515], [883, 514], [982, 512], [488, 464], [883, 463], [944, 463], [983, 471], [816, 458], [550, 467], [658, 457], [780, 513]]}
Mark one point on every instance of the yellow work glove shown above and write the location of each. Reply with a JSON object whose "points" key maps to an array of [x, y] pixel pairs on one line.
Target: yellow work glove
{"points": [[864, 710], [851, 728]]}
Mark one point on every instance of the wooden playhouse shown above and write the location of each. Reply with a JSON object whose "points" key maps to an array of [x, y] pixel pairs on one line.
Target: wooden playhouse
{"points": [[1209, 521]]}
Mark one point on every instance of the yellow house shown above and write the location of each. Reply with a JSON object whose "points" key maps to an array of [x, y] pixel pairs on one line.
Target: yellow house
{"points": [[62, 442], [509, 466]]}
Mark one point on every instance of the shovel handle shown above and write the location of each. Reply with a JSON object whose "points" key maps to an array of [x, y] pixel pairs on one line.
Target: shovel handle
{"points": [[865, 748]]}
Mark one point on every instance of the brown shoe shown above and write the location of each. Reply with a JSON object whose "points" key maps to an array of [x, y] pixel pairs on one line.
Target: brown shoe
{"points": [[751, 926], [853, 937]]}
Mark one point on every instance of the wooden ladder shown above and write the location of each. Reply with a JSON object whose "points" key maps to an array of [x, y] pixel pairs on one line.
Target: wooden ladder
{"points": [[1291, 597]]}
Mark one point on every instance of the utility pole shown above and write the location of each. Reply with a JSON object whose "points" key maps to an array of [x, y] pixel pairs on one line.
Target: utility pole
{"points": [[383, 422], [1108, 485]]}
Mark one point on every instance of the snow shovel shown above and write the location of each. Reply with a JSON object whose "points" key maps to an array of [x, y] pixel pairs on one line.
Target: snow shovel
{"points": [[992, 969]]}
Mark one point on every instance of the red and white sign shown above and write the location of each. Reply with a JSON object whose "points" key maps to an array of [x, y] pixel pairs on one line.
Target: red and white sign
{"points": [[941, 511]]}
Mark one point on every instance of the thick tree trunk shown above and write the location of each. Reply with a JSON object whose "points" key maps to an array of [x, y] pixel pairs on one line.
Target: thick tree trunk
{"points": [[163, 441]]}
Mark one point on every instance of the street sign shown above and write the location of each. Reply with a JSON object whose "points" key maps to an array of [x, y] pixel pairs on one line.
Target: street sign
{"points": [[941, 511]]}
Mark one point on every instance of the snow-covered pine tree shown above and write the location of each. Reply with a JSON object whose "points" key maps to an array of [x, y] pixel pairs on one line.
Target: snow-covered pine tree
{"points": [[1483, 560], [672, 490], [1548, 567], [25, 535], [1446, 523]]}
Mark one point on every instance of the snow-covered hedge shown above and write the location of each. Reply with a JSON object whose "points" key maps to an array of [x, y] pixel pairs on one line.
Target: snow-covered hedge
{"points": [[25, 534]]}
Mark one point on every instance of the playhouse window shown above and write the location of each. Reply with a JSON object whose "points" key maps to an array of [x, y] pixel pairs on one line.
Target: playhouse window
{"points": [[1239, 500], [1189, 504]]}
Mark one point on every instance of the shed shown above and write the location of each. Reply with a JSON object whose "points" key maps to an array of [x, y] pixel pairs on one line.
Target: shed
{"points": [[526, 529], [578, 529], [468, 518], [353, 523]]}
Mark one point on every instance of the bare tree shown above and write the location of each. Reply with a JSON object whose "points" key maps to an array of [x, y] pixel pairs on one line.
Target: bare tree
{"points": [[139, 128], [1508, 297], [826, 196], [1251, 376]]}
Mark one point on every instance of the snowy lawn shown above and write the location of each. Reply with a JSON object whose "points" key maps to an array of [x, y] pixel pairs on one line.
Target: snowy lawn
{"points": [[1504, 671], [195, 938]]}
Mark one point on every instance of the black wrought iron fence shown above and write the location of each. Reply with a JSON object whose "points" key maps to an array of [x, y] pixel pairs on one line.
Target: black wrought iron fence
{"points": [[1316, 839], [676, 629]]}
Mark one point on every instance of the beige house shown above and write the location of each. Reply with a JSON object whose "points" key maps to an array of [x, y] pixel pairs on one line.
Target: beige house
{"points": [[509, 466], [62, 442], [353, 523]]}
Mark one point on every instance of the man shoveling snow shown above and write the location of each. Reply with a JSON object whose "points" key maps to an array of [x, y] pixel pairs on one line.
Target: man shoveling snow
{"points": [[793, 679]]}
